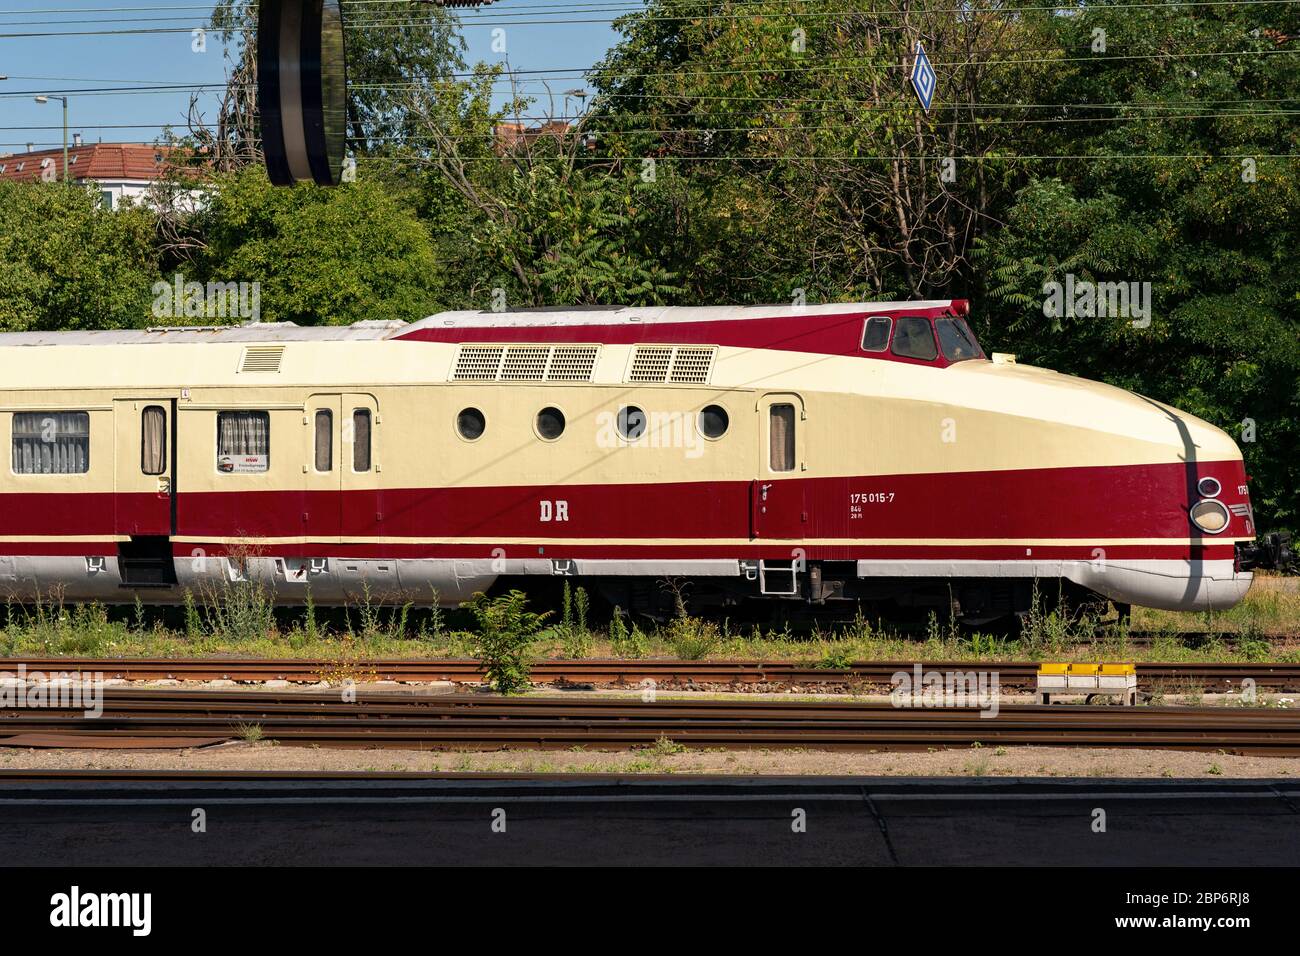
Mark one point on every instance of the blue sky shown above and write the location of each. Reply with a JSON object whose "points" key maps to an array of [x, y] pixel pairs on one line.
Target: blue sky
{"points": [[55, 64]]}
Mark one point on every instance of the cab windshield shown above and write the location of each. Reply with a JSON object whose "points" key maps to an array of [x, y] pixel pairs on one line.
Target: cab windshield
{"points": [[957, 340]]}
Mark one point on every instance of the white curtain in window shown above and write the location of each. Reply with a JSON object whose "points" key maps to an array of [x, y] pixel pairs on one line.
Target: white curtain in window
{"points": [[51, 443], [782, 437], [244, 433], [153, 440]]}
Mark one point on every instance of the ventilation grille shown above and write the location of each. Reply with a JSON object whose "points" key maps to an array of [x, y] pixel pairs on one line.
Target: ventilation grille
{"points": [[674, 364], [691, 366], [478, 363], [261, 358], [525, 363]]}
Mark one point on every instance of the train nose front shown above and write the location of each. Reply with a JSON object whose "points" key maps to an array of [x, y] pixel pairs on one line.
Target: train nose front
{"points": [[1190, 513]]}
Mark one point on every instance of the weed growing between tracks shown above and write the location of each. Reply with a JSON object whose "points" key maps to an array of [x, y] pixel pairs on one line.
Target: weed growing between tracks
{"points": [[1265, 627]]}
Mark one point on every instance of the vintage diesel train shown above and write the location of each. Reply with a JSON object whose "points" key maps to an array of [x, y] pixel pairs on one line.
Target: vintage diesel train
{"points": [[825, 457]]}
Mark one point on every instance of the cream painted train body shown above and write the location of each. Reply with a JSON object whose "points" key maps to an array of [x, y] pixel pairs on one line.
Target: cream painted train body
{"points": [[821, 457]]}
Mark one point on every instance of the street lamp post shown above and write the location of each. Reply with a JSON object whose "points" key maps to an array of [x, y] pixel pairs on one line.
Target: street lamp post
{"points": [[46, 99]]}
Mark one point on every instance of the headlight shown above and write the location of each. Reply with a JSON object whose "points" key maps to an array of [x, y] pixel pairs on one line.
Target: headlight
{"points": [[1209, 487], [1209, 515]]}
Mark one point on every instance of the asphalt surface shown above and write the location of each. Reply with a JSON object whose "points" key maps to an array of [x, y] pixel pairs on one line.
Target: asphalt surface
{"points": [[83, 819]]}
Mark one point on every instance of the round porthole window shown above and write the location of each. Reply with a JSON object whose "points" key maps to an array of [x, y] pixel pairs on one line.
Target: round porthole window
{"points": [[471, 424], [713, 421], [631, 422], [550, 423]]}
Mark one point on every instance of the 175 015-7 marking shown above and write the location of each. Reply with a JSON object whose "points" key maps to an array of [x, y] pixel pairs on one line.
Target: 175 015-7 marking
{"points": [[859, 498]]}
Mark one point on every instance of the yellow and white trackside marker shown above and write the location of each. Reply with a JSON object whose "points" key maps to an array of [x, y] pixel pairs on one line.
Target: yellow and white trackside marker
{"points": [[1087, 678]]}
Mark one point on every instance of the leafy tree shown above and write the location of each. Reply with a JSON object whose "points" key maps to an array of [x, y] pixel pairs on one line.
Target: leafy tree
{"points": [[534, 218], [322, 256], [68, 263]]}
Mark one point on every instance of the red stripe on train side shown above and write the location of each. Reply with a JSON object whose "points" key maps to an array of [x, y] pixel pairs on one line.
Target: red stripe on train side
{"points": [[1147, 501], [1082, 504]]}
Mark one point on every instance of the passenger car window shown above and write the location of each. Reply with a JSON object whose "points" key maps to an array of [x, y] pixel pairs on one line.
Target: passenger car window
{"points": [[714, 421], [153, 440], [471, 424], [550, 423], [957, 340], [875, 336], [324, 439], [913, 338], [243, 442], [51, 443], [631, 422], [361, 439], [781, 437]]}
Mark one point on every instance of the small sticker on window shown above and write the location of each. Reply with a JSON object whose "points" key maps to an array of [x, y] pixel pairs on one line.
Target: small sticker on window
{"points": [[242, 464]]}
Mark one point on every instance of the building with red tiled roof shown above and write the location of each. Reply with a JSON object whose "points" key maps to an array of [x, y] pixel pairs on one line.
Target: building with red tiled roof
{"points": [[119, 170]]}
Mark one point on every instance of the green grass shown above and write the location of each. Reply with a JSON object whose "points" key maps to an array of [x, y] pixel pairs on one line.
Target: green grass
{"points": [[1265, 627]]}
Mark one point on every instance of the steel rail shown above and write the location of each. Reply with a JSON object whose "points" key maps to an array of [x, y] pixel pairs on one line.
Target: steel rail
{"points": [[615, 672], [472, 722]]}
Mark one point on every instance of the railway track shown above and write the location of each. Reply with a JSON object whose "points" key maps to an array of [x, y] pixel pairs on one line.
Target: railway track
{"points": [[153, 718], [1173, 677]]}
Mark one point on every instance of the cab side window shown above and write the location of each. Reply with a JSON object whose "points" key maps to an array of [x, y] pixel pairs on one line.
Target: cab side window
{"points": [[875, 336], [914, 338]]}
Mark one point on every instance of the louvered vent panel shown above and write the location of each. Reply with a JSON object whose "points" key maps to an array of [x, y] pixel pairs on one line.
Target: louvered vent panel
{"points": [[676, 364], [650, 364], [525, 363], [691, 365], [261, 358], [478, 363], [572, 363]]}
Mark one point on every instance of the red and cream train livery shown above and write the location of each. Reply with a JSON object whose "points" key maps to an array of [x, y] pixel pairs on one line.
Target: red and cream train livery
{"points": [[824, 455]]}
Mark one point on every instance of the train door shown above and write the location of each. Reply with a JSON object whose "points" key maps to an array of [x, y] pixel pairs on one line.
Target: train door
{"points": [[777, 501], [145, 467], [322, 469]]}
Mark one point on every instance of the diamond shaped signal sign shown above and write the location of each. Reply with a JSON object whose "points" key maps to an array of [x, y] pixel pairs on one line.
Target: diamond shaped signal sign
{"points": [[923, 78]]}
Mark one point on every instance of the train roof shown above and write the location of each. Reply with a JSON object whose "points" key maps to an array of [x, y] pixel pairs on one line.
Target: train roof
{"points": [[379, 329], [652, 315], [256, 332]]}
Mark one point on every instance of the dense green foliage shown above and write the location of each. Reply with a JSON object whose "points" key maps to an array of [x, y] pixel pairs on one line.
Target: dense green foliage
{"points": [[769, 150], [93, 271], [321, 256]]}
